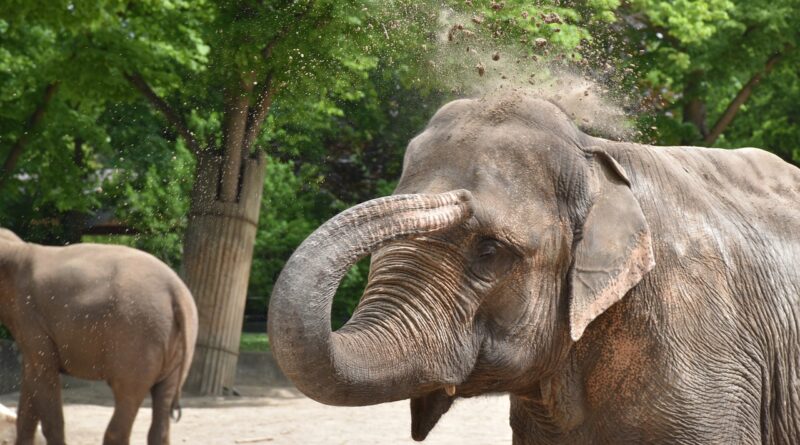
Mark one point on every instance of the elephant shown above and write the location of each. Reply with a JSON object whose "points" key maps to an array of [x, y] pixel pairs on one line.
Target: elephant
{"points": [[97, 312], [617, 292]]}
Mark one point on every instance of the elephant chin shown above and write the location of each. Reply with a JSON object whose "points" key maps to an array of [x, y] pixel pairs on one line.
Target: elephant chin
{"points": [[351, 366], [427, 410]]}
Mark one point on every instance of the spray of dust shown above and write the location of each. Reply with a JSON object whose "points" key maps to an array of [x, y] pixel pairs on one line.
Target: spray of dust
{"points": [[469, 62]]}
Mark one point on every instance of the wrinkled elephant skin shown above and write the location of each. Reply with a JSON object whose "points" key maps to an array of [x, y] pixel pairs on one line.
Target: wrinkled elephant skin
{"points": [[620, 293], [96, 312]]}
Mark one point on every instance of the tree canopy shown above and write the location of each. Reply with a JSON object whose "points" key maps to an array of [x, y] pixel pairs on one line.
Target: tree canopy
{"points": [[105, 104]]}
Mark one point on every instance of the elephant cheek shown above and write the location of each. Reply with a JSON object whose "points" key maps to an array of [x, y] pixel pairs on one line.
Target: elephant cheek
{"points": [[511, 309]]}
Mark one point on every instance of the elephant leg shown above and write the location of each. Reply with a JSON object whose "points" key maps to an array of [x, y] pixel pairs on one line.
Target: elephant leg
{"points": [[128, 397], [40, 400], [163, 394], [27, 419]]}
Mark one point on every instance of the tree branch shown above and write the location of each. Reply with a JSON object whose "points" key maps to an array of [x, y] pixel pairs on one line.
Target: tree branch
{"points": [[170, 114], [234, 127], [258, 113], [694, 107], [267, 50], [741, 97], [77, 153], [33, 121]]}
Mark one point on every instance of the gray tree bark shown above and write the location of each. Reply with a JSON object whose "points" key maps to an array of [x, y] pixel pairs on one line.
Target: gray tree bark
{"points": [[218, 251]]}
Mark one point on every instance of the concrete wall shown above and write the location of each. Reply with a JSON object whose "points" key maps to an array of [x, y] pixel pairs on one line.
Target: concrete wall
{"points": [[259, 369], [253, 369], [10, 366]]}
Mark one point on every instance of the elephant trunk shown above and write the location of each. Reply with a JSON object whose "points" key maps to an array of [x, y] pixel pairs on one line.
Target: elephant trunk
{"points": [[350, 367]]}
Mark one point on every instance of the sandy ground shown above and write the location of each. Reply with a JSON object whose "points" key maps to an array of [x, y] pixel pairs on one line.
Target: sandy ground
{"points": [[284, 416]]}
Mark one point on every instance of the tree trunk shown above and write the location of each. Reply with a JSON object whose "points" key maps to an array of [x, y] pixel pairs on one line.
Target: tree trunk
{"points": [[694, 108], [223, 218], [33, 121], [218, 250], [741, 97]]}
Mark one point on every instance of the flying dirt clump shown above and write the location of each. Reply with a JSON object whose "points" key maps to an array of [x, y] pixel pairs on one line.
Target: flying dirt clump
{"points": [[584, 102], [551, 17], [465, 48]]}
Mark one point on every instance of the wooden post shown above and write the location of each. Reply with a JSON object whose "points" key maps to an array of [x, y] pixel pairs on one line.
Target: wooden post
{"points": [[218, 250]]}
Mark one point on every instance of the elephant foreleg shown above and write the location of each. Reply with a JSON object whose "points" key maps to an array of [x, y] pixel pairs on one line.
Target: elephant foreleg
{"points": [[27, 419], [40, 400]]}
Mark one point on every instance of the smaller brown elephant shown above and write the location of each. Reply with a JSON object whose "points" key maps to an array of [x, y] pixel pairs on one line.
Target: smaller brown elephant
{"points": [[96, 312]]}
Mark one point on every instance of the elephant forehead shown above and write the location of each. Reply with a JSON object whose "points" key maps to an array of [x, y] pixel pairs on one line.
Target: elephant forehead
{"points": [[514, 204], [514, 135], [507, 161], [513, 155]]}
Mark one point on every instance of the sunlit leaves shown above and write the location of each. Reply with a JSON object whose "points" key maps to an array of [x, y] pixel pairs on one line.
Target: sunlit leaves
{"points": [[688, 21], [705, 51]]}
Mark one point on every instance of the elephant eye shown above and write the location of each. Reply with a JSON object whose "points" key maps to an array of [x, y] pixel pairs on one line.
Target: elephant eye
{"points": [[492, 260], [488, 248]]}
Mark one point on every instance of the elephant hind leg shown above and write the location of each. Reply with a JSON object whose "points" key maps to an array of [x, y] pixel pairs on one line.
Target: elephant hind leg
{"points": [[163, 394], [128, 397]]}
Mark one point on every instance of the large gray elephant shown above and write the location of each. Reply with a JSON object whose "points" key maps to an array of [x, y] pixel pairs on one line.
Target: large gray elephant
{"points": [[97, 312], [620, 293]]}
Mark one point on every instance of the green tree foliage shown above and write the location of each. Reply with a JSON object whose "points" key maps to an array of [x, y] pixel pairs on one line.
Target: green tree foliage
{"points": [[104, 103], [714, 69], [115, 94], [316, 56], [88, 155]]}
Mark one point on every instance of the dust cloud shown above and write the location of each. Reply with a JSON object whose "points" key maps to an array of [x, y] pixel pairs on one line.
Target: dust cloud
{"points": [[469, 61]]}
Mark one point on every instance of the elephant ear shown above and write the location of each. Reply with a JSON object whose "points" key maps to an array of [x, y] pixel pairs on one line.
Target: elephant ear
{"points": [[426, 412], [615, 250]]}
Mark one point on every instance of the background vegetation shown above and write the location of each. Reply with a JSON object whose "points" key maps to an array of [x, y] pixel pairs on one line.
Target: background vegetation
{"points": [[102, 103]]}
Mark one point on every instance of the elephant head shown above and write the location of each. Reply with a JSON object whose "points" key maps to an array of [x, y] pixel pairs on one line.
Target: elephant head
{"points": [[510, 231]]}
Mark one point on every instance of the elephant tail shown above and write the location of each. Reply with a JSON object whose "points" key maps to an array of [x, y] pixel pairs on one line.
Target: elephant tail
{"points": [[186, 318]]}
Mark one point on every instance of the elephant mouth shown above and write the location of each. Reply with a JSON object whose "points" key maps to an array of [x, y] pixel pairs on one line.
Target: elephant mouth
{"points": [[428, 408], [426, 411]]}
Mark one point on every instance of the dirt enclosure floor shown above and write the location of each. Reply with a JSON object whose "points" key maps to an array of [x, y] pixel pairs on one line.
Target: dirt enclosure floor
{"points": [[283, 416]]}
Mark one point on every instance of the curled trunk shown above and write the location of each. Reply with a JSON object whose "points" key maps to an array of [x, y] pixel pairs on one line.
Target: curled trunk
{"points": [[350, 367]]}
